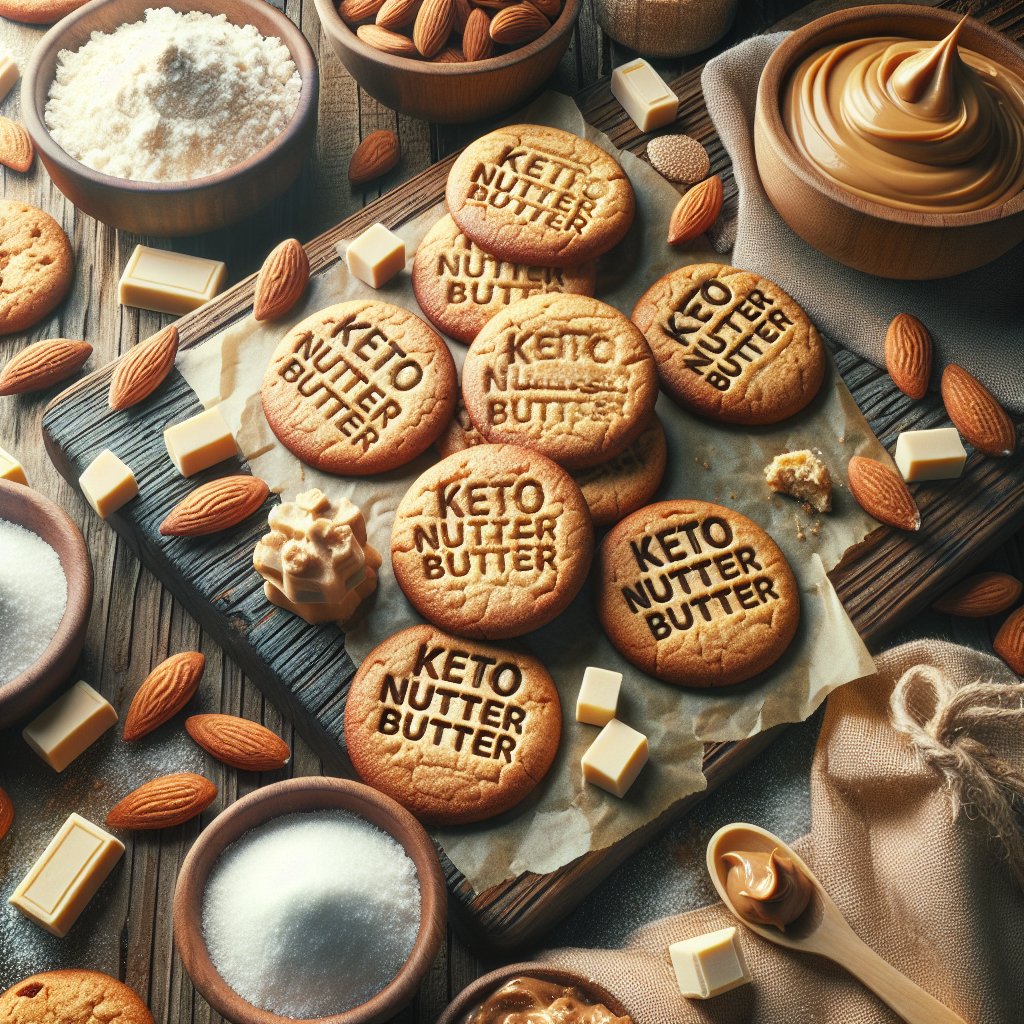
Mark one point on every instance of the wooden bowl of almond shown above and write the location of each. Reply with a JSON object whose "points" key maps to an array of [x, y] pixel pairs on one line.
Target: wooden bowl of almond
{"points": [[450, 60]]}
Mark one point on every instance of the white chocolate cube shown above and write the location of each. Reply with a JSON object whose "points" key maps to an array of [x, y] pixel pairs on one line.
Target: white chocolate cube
{"points": [[615, 758], [644, 96], [169, 282], [8, 74], [930, 454], [202, 441], [11, 469], [598, 699], [708, 965], [69, 726], [375, 256], [107, 483]]}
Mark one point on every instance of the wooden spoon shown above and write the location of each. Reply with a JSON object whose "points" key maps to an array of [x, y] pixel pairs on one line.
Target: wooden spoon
{"points": [[823, 930]]}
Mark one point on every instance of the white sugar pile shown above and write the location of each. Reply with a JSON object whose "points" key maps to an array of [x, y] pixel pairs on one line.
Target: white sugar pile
{"points": [[173, 97], [33, 596], [311, 914]]}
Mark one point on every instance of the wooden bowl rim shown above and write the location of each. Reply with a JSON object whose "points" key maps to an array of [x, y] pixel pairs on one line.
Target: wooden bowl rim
{"points": [[307, 794], [50, 45], [74, 560], [803, 40]]}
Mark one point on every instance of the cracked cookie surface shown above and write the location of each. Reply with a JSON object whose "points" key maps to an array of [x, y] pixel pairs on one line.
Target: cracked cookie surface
{"points": [[72, 997]]}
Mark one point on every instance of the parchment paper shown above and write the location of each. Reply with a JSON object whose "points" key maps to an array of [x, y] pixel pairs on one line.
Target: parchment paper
{"points": [[565, 819]]}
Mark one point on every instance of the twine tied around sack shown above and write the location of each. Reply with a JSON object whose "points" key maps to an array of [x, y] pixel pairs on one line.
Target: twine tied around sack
{"points": [[980, 782]]}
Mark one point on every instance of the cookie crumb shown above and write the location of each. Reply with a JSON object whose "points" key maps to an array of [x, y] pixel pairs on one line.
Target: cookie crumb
{"points": [[801, 475]]}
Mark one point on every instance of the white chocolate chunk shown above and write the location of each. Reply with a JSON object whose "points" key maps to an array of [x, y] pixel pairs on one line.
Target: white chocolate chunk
{"points": [[930, 454], [202, 441], [69, 726], [615, 758], [644, 96], [708, 965], [107, 483], [169, 282], [375, 256], [598, 699], [8, 74], [11, 469]]}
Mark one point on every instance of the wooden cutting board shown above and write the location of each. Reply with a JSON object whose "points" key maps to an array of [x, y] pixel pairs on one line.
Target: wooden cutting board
{"points": [[305, 670]]}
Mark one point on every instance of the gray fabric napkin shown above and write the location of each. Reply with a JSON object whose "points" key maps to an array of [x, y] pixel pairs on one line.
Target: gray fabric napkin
{"points": [[976, 319]]}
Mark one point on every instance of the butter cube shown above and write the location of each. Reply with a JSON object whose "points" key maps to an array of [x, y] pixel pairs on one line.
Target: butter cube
{"points": [[615, 758], [598, 699], [200, 442], [11, 469], [644, 96], [169, 282], [8, 74], [107, 483], [930, 454], [60, 884], [69, 725], [375, 256], [709, 965]]}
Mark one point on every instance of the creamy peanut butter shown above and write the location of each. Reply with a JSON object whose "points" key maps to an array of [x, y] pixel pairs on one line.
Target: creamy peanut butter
{"points": [[526, 1000], [766, 887], [914, 124]]}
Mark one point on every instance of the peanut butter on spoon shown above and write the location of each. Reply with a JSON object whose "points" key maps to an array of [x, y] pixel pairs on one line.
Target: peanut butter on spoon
{"points": [[766, 887]]}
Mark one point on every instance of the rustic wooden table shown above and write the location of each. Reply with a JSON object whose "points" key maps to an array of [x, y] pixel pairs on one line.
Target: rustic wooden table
{"points": [[135, 623]]}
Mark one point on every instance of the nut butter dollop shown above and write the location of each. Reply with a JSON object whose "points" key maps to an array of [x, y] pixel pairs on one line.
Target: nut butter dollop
{"points": [[766, 888], [919, 125], [526, 1000]]}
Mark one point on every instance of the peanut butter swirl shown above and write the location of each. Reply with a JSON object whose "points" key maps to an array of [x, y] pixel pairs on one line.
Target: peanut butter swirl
{"points": [[766, 887], [918, 125], [534, 1001]]}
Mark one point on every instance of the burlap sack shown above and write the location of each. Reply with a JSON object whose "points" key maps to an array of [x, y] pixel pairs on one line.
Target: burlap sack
{"points": [[975, 319], [928, 888]]}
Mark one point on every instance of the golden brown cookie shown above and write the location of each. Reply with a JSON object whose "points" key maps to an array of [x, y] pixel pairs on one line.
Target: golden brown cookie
{"points": [[565, 375], [456, 731], [36, 265], [540, 196], [731, 345], [460, 287], [492, 542], [696, 594], [360, 387], [72, 997], [38, 12]]}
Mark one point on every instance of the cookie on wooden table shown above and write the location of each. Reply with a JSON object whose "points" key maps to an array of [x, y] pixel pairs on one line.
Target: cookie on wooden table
{"points": [[492, 542], [360, 387], [730, 345], [72, 997], [536, 195], [455, 730], [696, 594]]}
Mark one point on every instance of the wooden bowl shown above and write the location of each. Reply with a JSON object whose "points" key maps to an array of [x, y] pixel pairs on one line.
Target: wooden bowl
{"points": [[26, 692], [480, 989], [175, 207], [863, 234], [309, 794], [450, 93]]}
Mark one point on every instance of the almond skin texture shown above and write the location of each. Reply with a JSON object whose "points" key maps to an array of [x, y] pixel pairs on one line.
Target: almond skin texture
{"points": [[1009, 641], [217, 505], [696, 211], [477, 43], [976, 413], [987, 593], [377, 154], [163, 693], [549, 8], [354, 11], [433, 26], [462, 12], [282, 280], [387, 41], [239, 742], [882, 493], [908, 355], [164, 802], [143, 369], [396, 14], [6, 813], [43, 364], [521, 23], [16, 149]]}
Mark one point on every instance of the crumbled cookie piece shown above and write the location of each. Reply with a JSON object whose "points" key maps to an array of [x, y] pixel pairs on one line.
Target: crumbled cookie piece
{"points": [[803, 476]]}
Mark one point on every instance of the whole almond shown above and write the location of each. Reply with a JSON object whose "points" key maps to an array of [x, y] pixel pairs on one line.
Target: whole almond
{"points": [[881, 492], [163, 693], [354, 11], [143, 369], [433, 25], [549, 8], [6, 812], [163, 802], [377, 154], [16, 149], [976, 412], [217, 505], [386, 41], [698, 208], [987, 593], [1009, 641], [449, 55], [238, 742], [281, 281], [477, 43], [395, 14], [521, 23], [43, 364], [908, 355]]}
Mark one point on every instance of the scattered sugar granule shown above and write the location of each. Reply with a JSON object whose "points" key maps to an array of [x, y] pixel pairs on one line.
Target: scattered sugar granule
{"points": [[33, 596], [172, 97], [311, 914]]}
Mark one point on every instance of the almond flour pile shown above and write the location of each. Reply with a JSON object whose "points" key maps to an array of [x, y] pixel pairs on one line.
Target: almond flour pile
{"points": [[172, 97]]}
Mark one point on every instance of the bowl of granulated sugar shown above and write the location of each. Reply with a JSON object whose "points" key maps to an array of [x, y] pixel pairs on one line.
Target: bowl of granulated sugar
{"points": [[310, 899]]}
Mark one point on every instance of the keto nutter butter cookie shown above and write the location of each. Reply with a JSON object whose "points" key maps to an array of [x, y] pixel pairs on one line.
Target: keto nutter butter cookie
{"points": [[566, 375], [731, 345], [492, 542], [72, 997], [696, 594], [360, 387], [541, 196], [456, 731]]}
